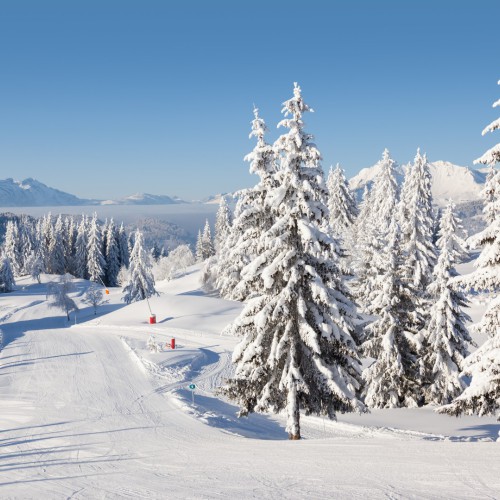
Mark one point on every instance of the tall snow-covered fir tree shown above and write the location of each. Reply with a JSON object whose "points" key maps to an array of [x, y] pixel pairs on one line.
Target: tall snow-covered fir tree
{"points": [[417, 223], [393, 379], [12, 249], [378, 212], [123, 247], [446, 336], [199, 247], [81, 251], [341, 204], [141, 283], [482, 397], [95, 260], [222, 224], [207, 244], [112, 255], [7, 282], [384, 194], [297, 352], [57, 258], [252, 217]]}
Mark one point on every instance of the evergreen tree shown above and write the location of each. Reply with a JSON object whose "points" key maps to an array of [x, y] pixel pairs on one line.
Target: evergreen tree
{"points": [[252, 217], [482, 397], [46, 230], [384, 194], [199, 247], [56, 249], [377, 215], [123, 247], [141, 284], [95, 261], [392, 380], [452, 235], [112, 255], [446, 336], [207, 244], [12, 249], [341, 204], [69, 248], [27, 238], [222, 224], [297, 351], [7, 282], [417, 223], [492, 156], [81, 252], [34, 266]]}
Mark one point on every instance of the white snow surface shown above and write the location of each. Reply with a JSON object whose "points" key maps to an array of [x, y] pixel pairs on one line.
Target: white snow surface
{"points": [[88, 412], [448, 181]]}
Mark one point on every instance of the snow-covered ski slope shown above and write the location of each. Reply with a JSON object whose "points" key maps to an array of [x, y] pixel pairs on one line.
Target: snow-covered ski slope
{"points": [[87, 411]]}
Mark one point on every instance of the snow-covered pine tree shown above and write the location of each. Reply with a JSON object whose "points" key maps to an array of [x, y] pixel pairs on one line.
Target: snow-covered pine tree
{"points": [[378, 211], [69, 246], [222, 224], [392, 380], [252, 218], [199, 247], [384, 194], [96, 264], [34, 265], [364, 253], [297, 351], [417, 223], [446, 335], [27, 236], [46, 230], [141, 283], [7, 282], [207, 244], [482, 397], [341, 204], [56, 249], [492, 156], [112, 255], [12, 249], [451, 234], [123, 247], [81, 252]]}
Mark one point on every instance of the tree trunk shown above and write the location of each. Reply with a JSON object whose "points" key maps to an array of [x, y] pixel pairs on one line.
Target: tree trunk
{"points": [[293, 418]]}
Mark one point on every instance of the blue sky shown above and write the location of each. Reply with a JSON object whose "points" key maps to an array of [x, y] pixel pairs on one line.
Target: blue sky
{"points": [[108, 98]]}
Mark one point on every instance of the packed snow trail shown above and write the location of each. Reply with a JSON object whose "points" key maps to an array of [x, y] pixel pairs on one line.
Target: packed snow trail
{"points": [[82, 418]]}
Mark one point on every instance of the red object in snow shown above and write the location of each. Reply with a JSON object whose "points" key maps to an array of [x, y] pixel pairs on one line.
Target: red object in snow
{"points": [[152, 319], [172, 344]]}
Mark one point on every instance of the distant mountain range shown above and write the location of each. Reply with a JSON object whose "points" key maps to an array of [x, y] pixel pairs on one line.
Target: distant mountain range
{"points": [[462, 184]]}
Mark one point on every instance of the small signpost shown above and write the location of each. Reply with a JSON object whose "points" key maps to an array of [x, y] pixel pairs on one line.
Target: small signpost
{"points": [[192, 388]]}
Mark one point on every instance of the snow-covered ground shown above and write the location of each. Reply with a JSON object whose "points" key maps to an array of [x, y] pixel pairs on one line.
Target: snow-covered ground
{"points": [[87, 411]]}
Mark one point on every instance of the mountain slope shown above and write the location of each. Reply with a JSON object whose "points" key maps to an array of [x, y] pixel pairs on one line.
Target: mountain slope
{"points": [[32, 193]]}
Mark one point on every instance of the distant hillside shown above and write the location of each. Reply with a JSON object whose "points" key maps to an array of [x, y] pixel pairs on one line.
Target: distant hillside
{"points": [[144, 199], [32, 193], [462, 184]]}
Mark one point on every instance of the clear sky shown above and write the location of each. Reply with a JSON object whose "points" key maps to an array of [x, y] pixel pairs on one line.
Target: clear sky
{"points": [[111, 97]]}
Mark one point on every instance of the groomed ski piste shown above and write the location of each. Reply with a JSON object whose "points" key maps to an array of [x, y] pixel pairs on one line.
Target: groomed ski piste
{"points": [[88, 411]]}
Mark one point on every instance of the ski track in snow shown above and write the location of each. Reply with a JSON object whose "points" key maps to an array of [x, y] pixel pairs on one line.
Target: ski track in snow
{"points": [[86, 414]]}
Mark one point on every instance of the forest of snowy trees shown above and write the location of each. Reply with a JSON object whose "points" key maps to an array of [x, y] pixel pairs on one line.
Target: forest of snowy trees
{"points": [[327, 283], [330, 286], [102, 253]]}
